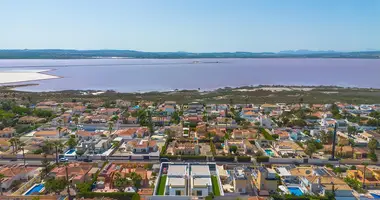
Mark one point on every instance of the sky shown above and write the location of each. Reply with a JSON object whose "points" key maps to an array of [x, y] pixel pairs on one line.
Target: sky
{"points": [[191, 25]]}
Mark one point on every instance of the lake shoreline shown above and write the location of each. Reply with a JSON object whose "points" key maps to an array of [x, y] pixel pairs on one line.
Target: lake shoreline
{"points": [[26, 77]]}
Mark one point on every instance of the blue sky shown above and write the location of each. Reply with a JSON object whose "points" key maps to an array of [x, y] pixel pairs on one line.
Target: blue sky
{"points": [[191, 25]]}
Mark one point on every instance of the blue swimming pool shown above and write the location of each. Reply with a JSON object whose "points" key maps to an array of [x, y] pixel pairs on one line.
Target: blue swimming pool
{"points": [[35, 189], [70, 151], [295, 191], [269, 152], [376, 196]]}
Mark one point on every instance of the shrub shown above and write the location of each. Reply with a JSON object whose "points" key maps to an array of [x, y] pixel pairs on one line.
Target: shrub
{"points": [[114, 195], [190, 157], [262, 159], [244, 158], [224, 158]]}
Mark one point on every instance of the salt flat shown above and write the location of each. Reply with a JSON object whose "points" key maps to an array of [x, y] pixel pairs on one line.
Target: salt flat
{"points": [[16, 76]]}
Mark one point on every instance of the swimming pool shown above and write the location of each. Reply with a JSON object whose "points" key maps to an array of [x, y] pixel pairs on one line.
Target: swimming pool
{"points": [[295, 191], [376, 196], [269, 152], [70, 151], [35, 189]]}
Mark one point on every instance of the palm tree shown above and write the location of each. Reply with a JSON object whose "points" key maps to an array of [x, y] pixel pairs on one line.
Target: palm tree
{"points": [[364, 171], [67, 180], [58, 146], [13, 142], [110, 126], [226, 121], [352, 144], [59, 129], [22, 146], [48, 146], [341, 149], [1, 184]]}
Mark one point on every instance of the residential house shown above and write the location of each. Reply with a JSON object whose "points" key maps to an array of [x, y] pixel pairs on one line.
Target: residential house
{"points": [[187, 148], [267, 108], [287, 148], [109, 111], [50, 133], [94, 145], [86, 135], [77, 172], [240, 180], [371, 178], [66, 118], [266, 180], [47, 105], [5, 145], [14, 173], [31, 120], [250, 114], [240, 144], [142, 146], [126, 134], [78, 110], [200, 181], [7, 132]]}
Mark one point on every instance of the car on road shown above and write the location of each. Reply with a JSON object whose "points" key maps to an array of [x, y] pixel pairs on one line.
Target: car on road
{"points": [[63, 159]]}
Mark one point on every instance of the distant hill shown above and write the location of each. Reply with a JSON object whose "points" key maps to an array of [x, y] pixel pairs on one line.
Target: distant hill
{"points": [[93, 54]]}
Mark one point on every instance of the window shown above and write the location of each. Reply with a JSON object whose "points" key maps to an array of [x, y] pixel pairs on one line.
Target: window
{"points": [[199, 192], [178, 192]]}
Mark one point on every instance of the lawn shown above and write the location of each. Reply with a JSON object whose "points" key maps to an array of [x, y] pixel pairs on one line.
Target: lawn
{"points": [[215, 186], [161, 185]]}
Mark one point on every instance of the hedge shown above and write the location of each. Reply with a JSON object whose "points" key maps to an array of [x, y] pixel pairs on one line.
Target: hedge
{"points": [[114, 195], [170, 157], [224, 158], [244, 158], [262, 159], [189, 157]]}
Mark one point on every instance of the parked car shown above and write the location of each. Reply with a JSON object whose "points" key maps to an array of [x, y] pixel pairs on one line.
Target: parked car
{"points": [[63, 159]]}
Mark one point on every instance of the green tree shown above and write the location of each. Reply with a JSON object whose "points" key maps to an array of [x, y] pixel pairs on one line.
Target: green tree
{"points": [[175, 118], [46, 165], [364, 171], [136, 196], [72, 142], [136, 180], [372, 145], [55, 185], [121, 182], [310, 149], [1, 183], [57, 144], [59, 129], [352, 144], [110, 126], [79, 152], [351, 130], [233, 149], [83, 187], [22, 147]]}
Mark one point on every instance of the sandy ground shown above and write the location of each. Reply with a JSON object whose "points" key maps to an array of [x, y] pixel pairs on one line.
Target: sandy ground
{"points": [[23, 76], [276, 89]]}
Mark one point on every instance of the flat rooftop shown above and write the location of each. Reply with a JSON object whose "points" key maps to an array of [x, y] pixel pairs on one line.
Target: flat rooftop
{"points": [[200, 170], [177, 170], [176, 182], [201, 182]]}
